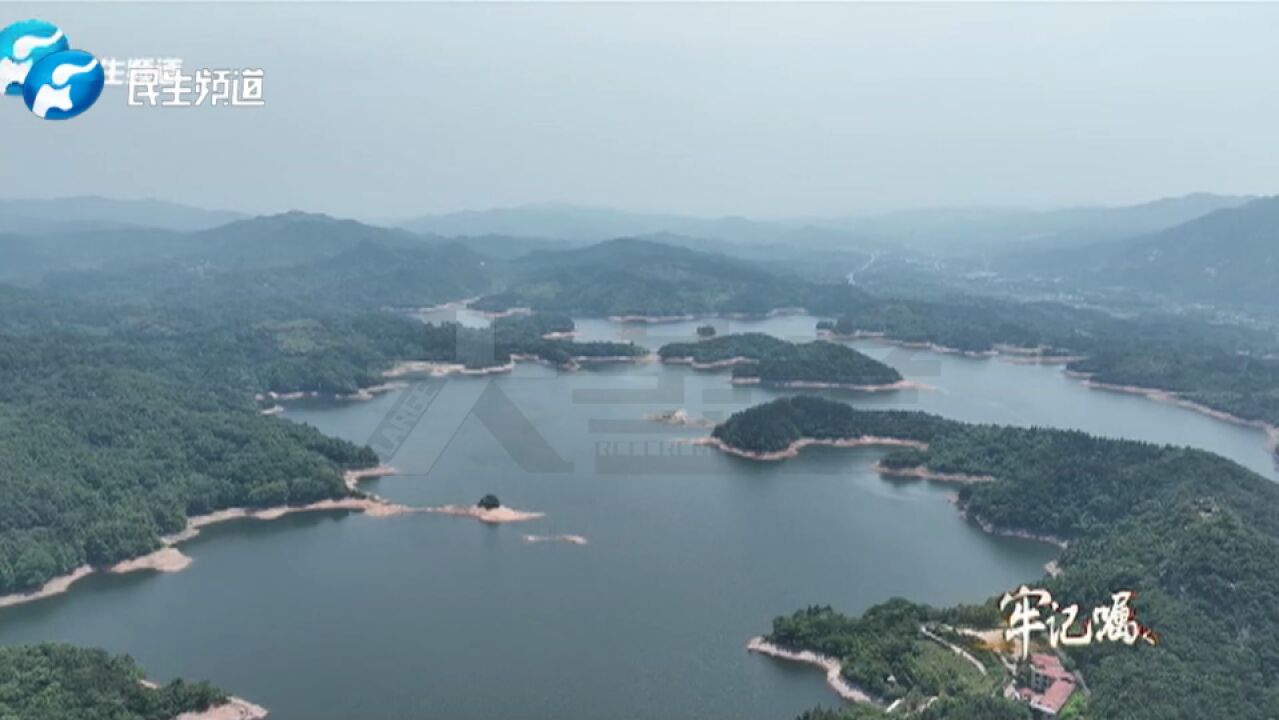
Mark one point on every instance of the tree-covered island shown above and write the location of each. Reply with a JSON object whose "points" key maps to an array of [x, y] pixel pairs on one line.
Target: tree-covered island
{"points": [[760, 358]]}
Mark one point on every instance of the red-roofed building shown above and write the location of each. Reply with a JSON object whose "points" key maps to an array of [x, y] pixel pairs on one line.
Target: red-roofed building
{"points": [[1051, 685]]}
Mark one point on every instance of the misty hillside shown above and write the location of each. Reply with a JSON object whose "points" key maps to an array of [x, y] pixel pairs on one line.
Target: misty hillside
{"points": [[631, 276], [25, 216], [1229, 257], [294, 255], [978, 230]]}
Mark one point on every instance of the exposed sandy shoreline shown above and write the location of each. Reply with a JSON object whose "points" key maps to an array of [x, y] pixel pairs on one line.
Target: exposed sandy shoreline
{"points": [[793, 449], [169, 559], [1022, 534], [233, 709], [1008, 353], [1169, 397], [658, 319], [870, 440], [364, 393], [713, 365], [409, 368], [923, 473], [55, 586], [465, 304], [570, 539], [1035, 356], [678, 418], [368, 393], [834, 668], [496, 516], [884, 338], [811, 385]]}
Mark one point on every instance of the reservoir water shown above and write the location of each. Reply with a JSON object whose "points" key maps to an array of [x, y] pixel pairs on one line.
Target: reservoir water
{"points": [[689, 552]]}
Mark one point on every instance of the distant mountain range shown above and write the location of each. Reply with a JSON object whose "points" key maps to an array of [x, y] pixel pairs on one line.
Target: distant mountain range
{"points": [[641, 277], [1227, 257], [1202, 248], [30, 216], [964, 231], [940, 231]]}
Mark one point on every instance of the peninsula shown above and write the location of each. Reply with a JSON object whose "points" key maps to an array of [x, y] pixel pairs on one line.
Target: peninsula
{"points": [[1129, 515]]}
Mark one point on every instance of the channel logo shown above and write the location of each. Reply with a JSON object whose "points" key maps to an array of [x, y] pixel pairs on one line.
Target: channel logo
{"points": [[55, 82]]}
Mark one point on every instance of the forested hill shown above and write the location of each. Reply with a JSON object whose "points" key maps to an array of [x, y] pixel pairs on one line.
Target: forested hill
{"points": [[640, 277], [107, 447], [777, 424], [1224, 367], [292, 257], [1229, 257], [761, 358], [1195, 535], [249, 244], [59, 682]]}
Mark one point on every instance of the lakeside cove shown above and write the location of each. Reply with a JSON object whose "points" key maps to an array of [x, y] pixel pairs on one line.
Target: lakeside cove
{"points": [[261, 602]]}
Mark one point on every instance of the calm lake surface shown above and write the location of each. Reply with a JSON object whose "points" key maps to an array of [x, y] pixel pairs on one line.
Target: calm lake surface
{"points": [[690, 552]]}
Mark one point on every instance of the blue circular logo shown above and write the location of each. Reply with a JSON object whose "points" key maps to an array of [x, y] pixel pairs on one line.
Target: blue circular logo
{"points": [[22, 45], [63, 85]]}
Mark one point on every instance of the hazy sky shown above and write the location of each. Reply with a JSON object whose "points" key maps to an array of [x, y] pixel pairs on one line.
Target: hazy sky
{"points": [[383, 110]]}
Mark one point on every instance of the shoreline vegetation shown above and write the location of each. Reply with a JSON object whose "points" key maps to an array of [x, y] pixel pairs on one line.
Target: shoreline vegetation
{"points": [[170, 559], [1226, 368], [1167, 511], [1036, 356], [1016, 354], [813, 385], [232, 708], [757, 358], [453, 349], [921, 472], [1169, 397], [833, 668], [792, 450], [640, 319]]}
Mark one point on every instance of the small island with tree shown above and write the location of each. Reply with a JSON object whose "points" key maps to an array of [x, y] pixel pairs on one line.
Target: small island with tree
{"points": [[489, 502]]}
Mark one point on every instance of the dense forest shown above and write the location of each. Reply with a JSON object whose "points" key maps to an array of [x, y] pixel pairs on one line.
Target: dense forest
{"points": [[763, 358], [60, 682], [102, 458], [884, 652], [1228, 368], [818, 362], [1193, 534], [751, 346], [645, 278], [126, 406], [775, 425], [537, 334]]}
